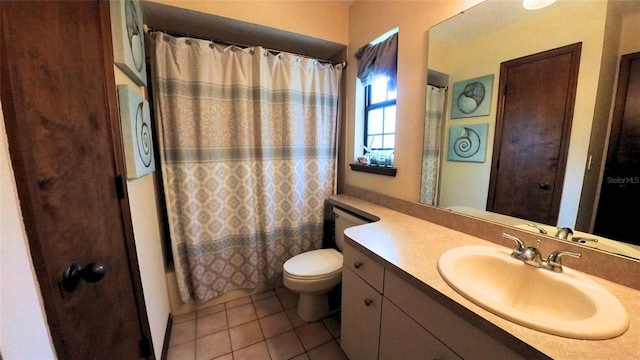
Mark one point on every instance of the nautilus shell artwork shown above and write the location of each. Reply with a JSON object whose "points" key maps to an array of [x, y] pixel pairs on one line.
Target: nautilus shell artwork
{"points": [[472, 97], [467, 142], [128, 39], [136, 132]]}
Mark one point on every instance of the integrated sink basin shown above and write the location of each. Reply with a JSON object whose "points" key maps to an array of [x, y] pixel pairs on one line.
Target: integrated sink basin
{"points": [[567, 304]]}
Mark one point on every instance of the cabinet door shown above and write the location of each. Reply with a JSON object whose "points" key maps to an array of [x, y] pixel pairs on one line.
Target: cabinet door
{"points": [[402, 338], [360, 325]]}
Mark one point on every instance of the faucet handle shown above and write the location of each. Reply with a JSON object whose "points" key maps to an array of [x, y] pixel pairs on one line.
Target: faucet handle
{"points": [[519, 247], [554, 261], [564, 233], [538, 227]]}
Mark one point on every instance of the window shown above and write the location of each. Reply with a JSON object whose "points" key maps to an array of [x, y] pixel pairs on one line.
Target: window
{"points": [[380, 121], [377, 69]]}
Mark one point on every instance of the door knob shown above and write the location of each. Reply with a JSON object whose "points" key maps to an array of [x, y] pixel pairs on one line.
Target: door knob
{"points": [[73, 273], [545, 186]]}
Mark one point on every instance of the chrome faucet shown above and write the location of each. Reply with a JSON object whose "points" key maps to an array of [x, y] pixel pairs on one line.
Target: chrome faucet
{"points": [[531, 255]]}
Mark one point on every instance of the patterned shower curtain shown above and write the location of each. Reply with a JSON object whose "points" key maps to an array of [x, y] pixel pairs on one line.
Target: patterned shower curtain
{"points": [[431, 150], [248, 147]]}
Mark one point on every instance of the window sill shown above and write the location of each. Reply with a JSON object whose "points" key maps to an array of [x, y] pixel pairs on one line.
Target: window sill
{"points": [[380, 170]]}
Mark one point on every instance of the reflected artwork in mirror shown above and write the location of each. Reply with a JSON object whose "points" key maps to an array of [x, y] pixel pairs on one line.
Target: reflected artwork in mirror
{"points": [[475, 43]]}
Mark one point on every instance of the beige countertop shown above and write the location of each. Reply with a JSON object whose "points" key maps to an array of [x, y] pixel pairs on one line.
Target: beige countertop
{"points": [[412, 247]]}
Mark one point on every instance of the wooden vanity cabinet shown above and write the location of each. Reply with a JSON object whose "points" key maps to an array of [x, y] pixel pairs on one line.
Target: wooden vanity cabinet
{"points": [[385, 317]]}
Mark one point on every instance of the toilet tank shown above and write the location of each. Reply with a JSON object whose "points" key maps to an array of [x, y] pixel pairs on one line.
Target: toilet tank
{"points": [[344, 220]]}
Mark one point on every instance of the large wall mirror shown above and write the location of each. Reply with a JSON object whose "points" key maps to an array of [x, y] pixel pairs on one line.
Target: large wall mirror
{"points": [[465, 55]]}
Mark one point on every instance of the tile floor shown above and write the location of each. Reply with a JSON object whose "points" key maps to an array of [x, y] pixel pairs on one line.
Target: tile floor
{"points": [[265, 326]]}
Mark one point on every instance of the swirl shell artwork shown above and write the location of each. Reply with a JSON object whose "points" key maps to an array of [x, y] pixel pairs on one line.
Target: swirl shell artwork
{"points": [[472, 97], [143, 136], [467, 142], [137, 138]]}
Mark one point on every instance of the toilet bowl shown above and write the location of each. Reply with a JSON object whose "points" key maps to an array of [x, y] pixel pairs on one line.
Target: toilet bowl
{"points": [[314, 273]]}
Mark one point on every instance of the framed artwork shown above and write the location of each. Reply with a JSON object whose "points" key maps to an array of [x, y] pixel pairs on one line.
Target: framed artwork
{"points": [[128, 39], [135, 121], [467, 143], [472, 97]]}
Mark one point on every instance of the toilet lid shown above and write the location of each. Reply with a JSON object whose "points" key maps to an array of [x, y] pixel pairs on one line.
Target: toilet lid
{"points": [[313, 264]]}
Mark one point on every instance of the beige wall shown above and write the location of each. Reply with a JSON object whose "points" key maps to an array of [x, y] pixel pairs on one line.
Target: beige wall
{"points": [[325, 20], [629, 38], [587, 21], [367, 21], [145, 216]]}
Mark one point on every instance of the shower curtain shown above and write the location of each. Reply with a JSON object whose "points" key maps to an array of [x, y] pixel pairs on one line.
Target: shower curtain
{"points": [[248, 148], [431, 150]]}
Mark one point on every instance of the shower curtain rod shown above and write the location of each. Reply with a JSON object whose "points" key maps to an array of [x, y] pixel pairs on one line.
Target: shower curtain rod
{"points": [[148, 29]]}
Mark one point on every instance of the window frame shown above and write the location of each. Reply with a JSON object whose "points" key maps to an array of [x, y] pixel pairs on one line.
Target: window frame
{"points": [[368, 107]]}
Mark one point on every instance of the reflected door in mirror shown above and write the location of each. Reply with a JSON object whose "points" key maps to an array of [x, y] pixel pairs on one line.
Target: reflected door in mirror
{"points": [[532, 134], [620, 195]]}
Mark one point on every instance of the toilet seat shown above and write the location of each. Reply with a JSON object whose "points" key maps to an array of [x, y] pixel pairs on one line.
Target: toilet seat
{"points": [[314, 265]]}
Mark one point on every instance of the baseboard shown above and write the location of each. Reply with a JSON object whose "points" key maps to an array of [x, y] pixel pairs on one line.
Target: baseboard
{"points": [[167, 337]]}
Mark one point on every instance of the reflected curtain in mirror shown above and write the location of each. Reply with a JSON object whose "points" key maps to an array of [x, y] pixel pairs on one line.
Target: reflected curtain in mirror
{"points": [[431, 150], [248, 143]]}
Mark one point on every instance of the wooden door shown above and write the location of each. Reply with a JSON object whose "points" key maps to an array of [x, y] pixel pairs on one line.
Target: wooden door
{"points": [[620, 193], [532, 134], [58, 97]]}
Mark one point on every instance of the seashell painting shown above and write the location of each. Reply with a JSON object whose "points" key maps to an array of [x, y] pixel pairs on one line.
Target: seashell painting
{"points": [[472, 97], [137, 139], [468, 142], [128, 39]]}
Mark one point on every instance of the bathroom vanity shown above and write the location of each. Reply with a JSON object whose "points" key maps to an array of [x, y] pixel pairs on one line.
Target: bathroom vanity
{"points": [[395, 304]]}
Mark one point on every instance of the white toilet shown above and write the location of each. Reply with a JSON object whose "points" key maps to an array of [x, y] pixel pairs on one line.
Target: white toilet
{"points": [[314, 273]]}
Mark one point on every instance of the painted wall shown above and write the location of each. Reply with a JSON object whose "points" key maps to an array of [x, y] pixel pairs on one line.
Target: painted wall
{"points": [[24, 333], [145, 216], [629, 38], [325, 20], [367, 21], [587, 21], [602, 113]]}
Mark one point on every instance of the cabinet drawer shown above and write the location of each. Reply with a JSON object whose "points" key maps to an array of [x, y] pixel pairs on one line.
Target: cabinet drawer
{"points": [[466, 340], [403, 338], [368, 269], [360, 324]]}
